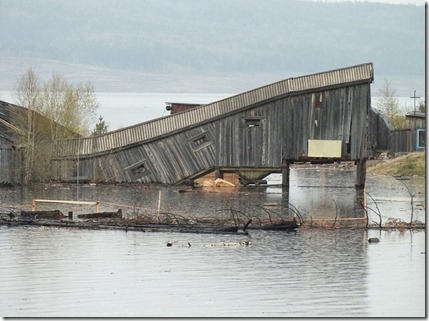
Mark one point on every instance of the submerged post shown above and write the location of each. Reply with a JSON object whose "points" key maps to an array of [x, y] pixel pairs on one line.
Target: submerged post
{"points": [[285, 173], [159, 205], [360, 173]]}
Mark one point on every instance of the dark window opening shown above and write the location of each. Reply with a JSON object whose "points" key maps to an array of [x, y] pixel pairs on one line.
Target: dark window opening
{"points": [[200, 141], [250, 123], [318, 99], [138, 170]]}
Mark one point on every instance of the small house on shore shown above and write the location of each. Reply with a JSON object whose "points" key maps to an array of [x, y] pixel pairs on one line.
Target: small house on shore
{"points": [[412, 139]]}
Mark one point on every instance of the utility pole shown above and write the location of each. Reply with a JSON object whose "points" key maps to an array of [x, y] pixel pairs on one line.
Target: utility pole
{"points": [[415, 97], [415, 129]]}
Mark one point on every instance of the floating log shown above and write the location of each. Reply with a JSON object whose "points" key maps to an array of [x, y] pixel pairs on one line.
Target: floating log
{"points": [[55, 215], [245, 243], [373, 240], [284, 226], [76, 179], [209, 229], [117, 214], [30, 218], [271, 204]]}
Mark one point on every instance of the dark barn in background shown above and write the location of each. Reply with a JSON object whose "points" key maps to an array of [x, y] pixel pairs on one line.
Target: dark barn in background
{"points": [[322, 117], [175, 108]]}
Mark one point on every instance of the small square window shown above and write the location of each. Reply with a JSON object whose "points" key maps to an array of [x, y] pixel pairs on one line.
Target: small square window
{"points": [[250, 123], [138, 170], [421, 139], [318, 100], [200, 141]]}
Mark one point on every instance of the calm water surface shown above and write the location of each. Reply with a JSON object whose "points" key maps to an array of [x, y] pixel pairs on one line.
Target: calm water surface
{"points": [[307, 273], [71, 273]]}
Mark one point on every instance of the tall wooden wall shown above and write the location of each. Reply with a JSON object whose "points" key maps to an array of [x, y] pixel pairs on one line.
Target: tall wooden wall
{"points": [[6, 158], [380, 133], [256, 129]]}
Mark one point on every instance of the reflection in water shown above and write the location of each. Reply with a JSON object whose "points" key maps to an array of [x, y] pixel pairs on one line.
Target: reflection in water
{"points": [[313, 272], [70, 273], [315, 192]]}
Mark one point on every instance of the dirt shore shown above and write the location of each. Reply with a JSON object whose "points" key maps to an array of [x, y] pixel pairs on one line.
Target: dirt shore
{"points": [[412, 164]]}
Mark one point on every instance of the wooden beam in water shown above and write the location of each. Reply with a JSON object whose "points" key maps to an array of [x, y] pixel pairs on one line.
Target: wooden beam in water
{"points": [[35, 201]]}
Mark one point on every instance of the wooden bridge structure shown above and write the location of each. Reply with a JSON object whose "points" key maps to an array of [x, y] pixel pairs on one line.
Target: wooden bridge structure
{"points": [[320, 118]]}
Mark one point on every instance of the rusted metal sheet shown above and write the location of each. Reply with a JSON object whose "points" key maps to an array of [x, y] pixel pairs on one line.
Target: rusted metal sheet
{"points": [[175, 108]]}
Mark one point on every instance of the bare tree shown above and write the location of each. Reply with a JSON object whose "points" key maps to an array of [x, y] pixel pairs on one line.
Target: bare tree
{"points": [[389, 106], [62, 110], [412, 200], [52, 102], [72, 107], [26, 94]]}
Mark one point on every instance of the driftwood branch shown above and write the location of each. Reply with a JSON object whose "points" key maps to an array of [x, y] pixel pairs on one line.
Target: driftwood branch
{"points": [[378, 213]]}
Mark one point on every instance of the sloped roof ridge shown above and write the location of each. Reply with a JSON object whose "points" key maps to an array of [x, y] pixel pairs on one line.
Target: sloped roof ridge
{"points": [[164, 125]]}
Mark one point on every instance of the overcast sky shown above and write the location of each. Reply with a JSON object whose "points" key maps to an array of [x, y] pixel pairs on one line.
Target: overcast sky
{"points": [[416, 2]]}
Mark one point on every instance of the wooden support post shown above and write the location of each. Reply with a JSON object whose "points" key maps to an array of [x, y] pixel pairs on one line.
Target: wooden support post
{"points": [[285, 173], [360, 173], [218, 173], [159, 205]]}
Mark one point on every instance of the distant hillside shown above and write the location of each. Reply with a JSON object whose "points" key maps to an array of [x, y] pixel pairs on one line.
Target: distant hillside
{"points": [[222, 38]]}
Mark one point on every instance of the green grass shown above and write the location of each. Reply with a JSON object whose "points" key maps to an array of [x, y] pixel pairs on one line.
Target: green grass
{"points": [[408, 165]]}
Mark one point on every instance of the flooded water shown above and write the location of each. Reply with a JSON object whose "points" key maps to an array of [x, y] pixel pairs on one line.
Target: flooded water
{"points": [[308, 273], [73, 273]]}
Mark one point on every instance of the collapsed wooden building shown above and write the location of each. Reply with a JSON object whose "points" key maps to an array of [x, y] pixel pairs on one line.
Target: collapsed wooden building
{"points": [[321, 117]]}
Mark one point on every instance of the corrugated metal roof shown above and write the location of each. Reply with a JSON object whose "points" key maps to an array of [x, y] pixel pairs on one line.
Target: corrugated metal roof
{"points": [[161, 126]]}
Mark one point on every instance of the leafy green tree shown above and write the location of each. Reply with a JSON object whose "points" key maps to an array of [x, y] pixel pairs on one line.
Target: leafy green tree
{"points": [[422, 106], [100, 127]]}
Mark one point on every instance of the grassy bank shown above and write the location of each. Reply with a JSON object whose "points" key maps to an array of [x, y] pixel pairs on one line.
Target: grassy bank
{"points": [[407, 165]]}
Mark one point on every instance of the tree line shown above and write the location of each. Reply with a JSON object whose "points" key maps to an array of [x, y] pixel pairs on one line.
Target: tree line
{"points": [[389, 106], [55, 109]]}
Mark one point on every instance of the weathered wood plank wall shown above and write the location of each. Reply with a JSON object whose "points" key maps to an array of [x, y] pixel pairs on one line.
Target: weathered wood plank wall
{"points": [[379, 132], [261, 136], [403, 141], [6, 154], [256, 129]]}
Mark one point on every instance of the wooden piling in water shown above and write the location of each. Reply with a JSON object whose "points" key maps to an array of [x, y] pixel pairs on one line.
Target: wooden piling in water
{"points": [[285, 173], [360, 173]]}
